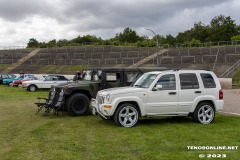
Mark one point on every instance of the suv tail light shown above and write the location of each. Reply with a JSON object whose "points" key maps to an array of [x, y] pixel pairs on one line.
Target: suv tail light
{"points": [[220, 94]]}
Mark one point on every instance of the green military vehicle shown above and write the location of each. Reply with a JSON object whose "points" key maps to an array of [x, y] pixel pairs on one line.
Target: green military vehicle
{"points": [[89, 82]]}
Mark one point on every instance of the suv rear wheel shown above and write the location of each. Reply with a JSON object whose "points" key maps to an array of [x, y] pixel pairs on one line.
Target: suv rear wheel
{"points": [[78, 104], [204, 113], [126, 115]]}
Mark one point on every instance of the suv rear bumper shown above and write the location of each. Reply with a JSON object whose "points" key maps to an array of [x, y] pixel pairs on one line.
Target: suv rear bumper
{"points": [[219, 105]]}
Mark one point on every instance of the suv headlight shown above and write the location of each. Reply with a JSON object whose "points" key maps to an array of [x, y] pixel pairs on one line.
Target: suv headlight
{"points": [[107, 98]]}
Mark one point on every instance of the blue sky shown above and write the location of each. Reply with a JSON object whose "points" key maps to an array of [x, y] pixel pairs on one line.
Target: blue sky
{"points": [[58, 19]]}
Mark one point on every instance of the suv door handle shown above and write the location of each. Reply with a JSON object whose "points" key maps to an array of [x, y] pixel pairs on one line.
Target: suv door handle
{"points": [[198, 92], [172, 93]]}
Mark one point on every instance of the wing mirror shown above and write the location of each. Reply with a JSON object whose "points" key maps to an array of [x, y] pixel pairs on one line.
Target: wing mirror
{"points": [[157, 87]]}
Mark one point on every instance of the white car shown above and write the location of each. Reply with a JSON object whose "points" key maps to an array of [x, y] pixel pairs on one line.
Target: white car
{"points": [[195, 93], [44, 83]]}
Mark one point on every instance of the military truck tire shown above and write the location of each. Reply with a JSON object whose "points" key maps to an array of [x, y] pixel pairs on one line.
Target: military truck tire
{"points": [[78, 104]]}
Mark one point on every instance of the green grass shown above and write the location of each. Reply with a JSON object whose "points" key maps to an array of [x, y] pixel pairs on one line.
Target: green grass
{"points": [[68, 69], [26, 136], [4, 66], [236, 79]]}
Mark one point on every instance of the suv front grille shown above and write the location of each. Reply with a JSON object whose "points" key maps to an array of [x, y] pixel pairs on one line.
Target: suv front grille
{"points": [[100, 99]]}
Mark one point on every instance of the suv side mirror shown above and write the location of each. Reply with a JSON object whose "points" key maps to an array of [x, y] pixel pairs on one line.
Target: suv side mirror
{"points": [[157, 87]]}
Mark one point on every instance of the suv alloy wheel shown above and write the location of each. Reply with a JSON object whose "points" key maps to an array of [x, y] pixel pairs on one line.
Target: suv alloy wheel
{"points": [[127, 115], [204, 113]]}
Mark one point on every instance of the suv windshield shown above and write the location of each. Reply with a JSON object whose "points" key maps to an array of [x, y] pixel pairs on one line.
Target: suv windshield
{"points": [[145, 80]]}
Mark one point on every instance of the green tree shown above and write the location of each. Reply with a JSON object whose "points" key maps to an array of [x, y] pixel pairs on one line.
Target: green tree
{"points": [[77, 40], [170, 40], [235, 39], [62, 42], [52, 43], [200, 32], [127, 36], [222, 28], [32, 43], [42, 45]]}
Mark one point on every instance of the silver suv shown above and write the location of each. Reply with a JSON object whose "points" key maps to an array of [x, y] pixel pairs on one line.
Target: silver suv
{"points": [[195, 93]]}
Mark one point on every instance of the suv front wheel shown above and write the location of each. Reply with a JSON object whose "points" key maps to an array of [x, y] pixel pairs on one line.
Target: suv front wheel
{"points": [[204, 113], [126, 115], [78, 104]]}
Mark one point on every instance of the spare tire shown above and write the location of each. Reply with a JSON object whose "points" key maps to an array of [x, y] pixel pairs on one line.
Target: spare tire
{"points": [[78, 104]]}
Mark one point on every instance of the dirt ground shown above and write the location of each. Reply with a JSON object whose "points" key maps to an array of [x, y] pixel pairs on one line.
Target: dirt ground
{"points": [[231, 102]]}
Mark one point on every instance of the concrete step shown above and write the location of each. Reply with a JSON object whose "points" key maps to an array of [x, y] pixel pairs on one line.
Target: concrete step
{"points": [[20, 61], [148, 58]]}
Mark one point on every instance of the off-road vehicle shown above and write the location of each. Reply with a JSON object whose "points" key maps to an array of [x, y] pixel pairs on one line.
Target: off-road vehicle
{"points": [[79, 93], [195, 93]]}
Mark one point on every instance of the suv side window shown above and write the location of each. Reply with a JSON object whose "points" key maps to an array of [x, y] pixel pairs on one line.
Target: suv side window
{"points": [[188, 81], [208, 80], [113, 77], [168, 82]]}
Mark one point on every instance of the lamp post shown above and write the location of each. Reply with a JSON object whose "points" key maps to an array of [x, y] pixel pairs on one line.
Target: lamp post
{"points": [[156, 44]]}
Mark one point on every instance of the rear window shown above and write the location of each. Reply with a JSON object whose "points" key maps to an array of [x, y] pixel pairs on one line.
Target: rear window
{"points": [[189, 81], [113, 77], [208, 80]]}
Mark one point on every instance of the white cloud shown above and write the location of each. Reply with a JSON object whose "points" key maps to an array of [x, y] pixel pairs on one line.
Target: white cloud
{"points": [[57, 19]]}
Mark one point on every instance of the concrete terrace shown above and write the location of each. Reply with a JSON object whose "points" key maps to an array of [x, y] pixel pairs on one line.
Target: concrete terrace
{"points": [[112, 56]]}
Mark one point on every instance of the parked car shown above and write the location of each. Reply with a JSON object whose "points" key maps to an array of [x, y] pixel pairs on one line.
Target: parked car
{"points": [[79, 93], [19, 82], [195, 93], [44, 83], [20, 77], [6, 76]]}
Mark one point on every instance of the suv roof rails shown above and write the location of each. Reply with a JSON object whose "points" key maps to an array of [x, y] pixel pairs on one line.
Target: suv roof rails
{"points": [[191, 69]]}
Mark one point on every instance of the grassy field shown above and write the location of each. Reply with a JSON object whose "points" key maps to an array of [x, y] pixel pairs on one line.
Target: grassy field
{"points": [[25, 136]]}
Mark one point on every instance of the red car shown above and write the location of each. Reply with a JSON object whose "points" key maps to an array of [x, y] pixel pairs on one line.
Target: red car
{"points": [[19, 82]]}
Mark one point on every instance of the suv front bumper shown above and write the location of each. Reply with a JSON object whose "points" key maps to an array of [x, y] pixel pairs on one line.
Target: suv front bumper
{"points": [[95, 107]]}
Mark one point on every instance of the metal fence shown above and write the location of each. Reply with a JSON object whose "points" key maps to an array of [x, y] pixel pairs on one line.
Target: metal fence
{"points": [[166, 46], [230, 71]]}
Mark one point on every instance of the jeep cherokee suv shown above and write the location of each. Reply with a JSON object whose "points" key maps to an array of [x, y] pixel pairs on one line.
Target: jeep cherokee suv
{"points": [[195, 93]]}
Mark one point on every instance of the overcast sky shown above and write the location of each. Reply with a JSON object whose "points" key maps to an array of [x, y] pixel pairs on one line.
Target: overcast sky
{"points": [[45, 20]]}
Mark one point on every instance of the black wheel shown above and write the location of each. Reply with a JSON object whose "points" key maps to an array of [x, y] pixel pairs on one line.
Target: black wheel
{"points": [[126, 115], [32, 88], [204, 113], [78, 104]]}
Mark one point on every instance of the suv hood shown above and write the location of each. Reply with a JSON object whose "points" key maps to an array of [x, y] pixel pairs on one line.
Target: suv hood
{"points": [[121, 90]]}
